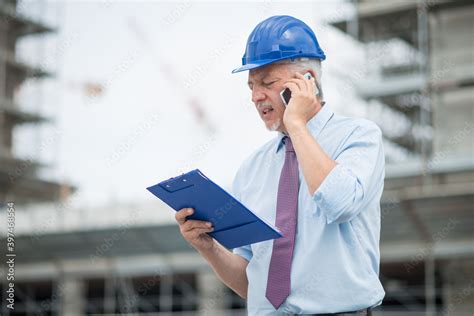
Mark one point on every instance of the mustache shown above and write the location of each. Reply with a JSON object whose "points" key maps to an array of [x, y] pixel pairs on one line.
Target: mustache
{"points": [[263, 104]]}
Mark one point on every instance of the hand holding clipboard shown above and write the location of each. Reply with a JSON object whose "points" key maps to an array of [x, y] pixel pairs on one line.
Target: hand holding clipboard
{"points": [[234, 224]]}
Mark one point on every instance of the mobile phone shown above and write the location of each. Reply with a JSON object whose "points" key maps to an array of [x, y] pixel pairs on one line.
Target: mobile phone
{"points": [[286, 94]]}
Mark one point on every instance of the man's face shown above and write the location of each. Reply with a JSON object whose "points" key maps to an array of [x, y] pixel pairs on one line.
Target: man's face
{"points": [[266, 84]]}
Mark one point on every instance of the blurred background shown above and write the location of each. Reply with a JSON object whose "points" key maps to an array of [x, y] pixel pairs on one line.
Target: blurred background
{"points": [[99, 100]]}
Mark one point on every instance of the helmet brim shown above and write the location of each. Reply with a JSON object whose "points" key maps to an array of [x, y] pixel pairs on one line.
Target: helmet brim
{"points": [[253, 66]]}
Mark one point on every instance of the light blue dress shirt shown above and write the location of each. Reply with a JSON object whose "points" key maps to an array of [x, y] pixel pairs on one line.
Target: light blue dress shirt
{"points": [[336, 257]]}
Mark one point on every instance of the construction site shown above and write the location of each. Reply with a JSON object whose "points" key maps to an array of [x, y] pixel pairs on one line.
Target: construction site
{"points": [[422, 99]]}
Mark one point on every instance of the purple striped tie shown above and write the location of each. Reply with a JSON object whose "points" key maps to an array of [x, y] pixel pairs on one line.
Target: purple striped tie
{"points": [[278, 284]]}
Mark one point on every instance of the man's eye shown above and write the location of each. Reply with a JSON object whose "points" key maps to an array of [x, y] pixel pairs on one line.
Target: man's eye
{"points": [[269, 83]]}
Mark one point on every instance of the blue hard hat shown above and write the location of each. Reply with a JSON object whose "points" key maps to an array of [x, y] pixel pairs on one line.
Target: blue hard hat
{"points": [[279, 37]]}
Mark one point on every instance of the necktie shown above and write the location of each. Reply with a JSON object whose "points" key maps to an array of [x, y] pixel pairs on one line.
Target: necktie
{"points": [[278, 284]]}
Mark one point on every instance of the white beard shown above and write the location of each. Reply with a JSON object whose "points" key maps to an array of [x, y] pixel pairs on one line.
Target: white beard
{"points": [[275, 126]]}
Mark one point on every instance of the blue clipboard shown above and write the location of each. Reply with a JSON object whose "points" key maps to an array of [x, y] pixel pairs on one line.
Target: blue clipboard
{"points": [[234, 224]]}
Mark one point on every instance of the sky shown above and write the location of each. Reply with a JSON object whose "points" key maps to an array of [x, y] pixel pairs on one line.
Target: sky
{"points": [[154, 61]]}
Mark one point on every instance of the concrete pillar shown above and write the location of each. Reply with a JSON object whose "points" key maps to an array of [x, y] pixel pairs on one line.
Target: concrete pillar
{"points": [[166, 292], [213, 294], [109, 295], [458, 288], [71, 291]]}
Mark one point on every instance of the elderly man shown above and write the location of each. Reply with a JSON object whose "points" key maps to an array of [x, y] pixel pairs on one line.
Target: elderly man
{"points": [[319, 181]]}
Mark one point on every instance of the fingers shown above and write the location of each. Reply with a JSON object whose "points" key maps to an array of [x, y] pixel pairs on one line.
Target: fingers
{"points": [[181, 215], [292, 86], [309, 84], [195, 233], [301, 84], [194, 224], [304, 82], [187, 225], [193, 229], [298, 83]]}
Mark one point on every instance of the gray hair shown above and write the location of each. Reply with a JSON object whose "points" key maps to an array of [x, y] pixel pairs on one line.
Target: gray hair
{"points": [[311, 63]]}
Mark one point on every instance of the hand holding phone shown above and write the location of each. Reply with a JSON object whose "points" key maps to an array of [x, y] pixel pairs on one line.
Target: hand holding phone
{"points": [[286, 93]]}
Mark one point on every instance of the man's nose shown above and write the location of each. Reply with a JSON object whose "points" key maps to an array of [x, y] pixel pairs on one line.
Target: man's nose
{"points": [[257, 95]]}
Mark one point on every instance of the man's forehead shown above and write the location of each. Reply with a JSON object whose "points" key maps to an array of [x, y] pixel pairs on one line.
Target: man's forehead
{"points": [[266, 71]]}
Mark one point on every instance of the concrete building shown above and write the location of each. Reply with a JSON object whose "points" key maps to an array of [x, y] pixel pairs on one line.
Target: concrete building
{"points": [[427, 242], [19, 176], [131, 268]]}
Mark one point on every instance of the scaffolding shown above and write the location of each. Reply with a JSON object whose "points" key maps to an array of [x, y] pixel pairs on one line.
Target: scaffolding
{"points": [[19, 176], [427, 242], [104, 271], [420, 68]]}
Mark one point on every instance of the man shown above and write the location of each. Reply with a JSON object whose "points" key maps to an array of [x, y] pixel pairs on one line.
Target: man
{"points": [[319, 181]]}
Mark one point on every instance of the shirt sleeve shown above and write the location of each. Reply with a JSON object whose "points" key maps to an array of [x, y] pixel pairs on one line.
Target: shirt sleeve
{"points": [[357, 178], [244, 251]]}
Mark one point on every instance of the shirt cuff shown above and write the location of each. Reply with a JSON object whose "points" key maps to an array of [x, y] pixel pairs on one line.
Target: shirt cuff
{"points": [[245, 252], [335, 193]]}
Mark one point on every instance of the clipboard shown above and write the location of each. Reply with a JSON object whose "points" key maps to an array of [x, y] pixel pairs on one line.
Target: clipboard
{"points": [[234, 224]]}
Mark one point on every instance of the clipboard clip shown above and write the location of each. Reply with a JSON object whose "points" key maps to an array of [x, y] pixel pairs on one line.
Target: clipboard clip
{"points": [[176, 184]]}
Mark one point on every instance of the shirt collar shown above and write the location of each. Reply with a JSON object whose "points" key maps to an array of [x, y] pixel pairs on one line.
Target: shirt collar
{"points": [[315, 124]]}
